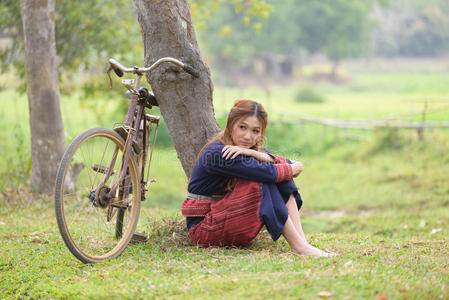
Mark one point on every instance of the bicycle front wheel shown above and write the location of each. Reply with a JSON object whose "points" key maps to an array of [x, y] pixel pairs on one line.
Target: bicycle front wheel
{"points": [[88, 223]]}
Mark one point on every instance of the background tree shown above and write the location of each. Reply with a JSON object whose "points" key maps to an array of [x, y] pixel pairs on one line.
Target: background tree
{"points": [[412, 28], [47, 131], [185, 102], [337, 28], [349, 33], [225, 33], [87, 34]]}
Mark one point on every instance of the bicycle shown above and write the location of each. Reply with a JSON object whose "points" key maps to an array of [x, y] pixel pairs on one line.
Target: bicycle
{"points": [[101, 179]]}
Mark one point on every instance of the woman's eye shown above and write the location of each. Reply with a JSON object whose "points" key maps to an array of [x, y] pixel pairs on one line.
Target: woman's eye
{"points": [[242, 127], [256, 131]]}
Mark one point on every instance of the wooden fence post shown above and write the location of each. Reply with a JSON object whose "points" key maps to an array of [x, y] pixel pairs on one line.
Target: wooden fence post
{"points": [[420, 130]]}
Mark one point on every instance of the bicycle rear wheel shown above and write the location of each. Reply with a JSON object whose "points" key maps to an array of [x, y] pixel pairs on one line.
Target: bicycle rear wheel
{"points": [[87, 223]]}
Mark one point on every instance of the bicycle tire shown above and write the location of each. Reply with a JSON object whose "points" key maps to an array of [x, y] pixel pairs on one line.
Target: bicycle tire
{"points": [[86, 228]]}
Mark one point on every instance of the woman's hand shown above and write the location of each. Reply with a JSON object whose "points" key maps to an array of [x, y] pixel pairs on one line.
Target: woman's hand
{"points": [[297, 168], [231, 152]]}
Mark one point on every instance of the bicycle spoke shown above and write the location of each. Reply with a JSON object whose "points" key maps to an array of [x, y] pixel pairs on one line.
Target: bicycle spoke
{"points": [[87, 164], [79, 211], [102, 157]]}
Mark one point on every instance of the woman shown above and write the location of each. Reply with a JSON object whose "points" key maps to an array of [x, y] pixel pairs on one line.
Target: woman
{"points": [[237, 186]]}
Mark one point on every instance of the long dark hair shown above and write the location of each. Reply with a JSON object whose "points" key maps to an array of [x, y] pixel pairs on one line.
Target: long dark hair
{"points": [[242, 108]]}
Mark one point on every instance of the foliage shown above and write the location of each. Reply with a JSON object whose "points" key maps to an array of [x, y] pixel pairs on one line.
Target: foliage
{"points": [[227, 36], [87, 33], [339, 28], [11, 28], [203, 12], [308, 94], [425, 34], [231, 38], [418, 29]]}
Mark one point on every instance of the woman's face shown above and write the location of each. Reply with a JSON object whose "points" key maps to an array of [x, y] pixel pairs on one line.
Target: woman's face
{"points": [[246, 132]]}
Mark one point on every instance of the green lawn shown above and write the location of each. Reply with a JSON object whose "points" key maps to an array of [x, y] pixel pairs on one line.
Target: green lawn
{"points": [[387, 220], [366, 96], [381, 203]]}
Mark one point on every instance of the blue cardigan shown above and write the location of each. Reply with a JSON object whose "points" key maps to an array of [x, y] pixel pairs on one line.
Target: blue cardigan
{"points": [[211, 173]]}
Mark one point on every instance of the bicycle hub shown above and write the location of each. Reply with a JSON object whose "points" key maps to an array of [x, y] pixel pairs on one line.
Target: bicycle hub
{"points": [[104, 199]]}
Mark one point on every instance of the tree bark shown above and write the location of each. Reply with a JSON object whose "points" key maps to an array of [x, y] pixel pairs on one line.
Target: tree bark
{"points": [[185, 101], [47, 131]]}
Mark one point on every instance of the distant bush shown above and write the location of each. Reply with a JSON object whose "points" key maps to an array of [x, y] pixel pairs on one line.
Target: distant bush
{"points": [[389, 139], [309, 95]]}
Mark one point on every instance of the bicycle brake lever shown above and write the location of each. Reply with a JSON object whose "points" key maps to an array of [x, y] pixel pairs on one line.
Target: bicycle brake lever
{"points": [[108, 71]]}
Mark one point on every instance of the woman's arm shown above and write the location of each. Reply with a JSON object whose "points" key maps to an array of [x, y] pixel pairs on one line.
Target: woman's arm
{"points": [[231, 152], [246, 167]]}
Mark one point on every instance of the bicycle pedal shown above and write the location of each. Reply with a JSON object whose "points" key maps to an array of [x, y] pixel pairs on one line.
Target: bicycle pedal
{"points": [[139, 238], [101, 169]]}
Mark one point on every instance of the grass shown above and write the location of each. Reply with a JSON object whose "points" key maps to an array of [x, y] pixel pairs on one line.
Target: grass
{"points": [[389, 227], [367, 96], [381, 203]]}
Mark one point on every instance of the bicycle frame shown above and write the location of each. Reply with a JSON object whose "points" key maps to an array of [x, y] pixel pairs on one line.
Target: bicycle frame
{"points": [[136, 125], [133, 132]]}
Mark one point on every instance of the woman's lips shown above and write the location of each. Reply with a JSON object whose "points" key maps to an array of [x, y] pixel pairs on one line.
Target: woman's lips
{"points": [[245, 144]]}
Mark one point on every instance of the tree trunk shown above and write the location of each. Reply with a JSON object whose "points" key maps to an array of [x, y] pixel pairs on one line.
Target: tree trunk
{"points": [[47, 131], [185, 101], [333, 74]]}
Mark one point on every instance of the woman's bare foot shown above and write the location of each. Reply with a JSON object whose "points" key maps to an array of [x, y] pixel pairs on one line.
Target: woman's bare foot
{"points": [[299, 244], [312, 251]]}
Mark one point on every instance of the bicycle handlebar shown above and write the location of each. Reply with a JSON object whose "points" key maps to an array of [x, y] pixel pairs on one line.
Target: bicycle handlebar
{"points": [[119, 69]]}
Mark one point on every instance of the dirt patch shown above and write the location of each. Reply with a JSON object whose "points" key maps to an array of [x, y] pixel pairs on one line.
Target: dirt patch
{"points": [[19, 197]]}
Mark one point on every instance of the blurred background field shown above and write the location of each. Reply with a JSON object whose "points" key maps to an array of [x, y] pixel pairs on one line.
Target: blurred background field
{"points": [[369, 95]]}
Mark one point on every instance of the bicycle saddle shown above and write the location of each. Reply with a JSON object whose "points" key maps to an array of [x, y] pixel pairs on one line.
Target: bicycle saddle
{"points": [[145, 95]]}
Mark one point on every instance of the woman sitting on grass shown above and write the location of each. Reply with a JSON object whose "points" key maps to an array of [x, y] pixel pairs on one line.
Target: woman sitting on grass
{"points": [[237, 187]]}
